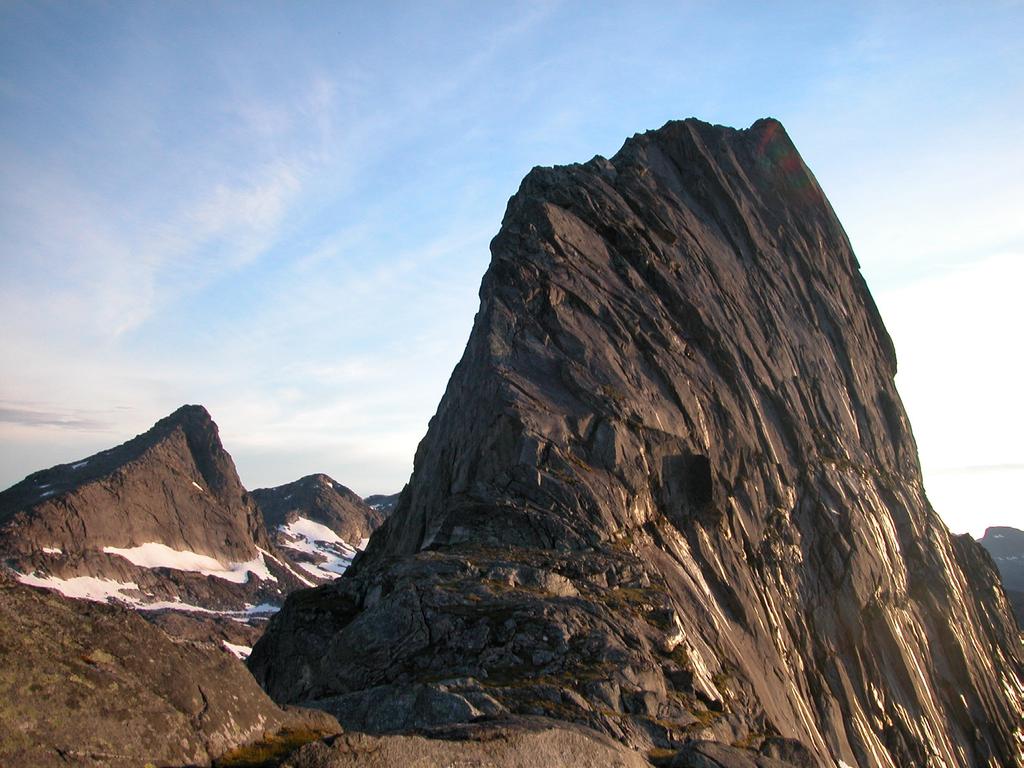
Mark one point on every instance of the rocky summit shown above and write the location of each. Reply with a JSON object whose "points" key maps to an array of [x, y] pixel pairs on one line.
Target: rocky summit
{"points": [[160, 522], [383, 503], [319, 521], [671, 494]]}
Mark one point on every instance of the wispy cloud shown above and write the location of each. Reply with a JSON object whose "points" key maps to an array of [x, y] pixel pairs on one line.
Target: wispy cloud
{"points": [[286, 216], [70, 420], [105, 264]]}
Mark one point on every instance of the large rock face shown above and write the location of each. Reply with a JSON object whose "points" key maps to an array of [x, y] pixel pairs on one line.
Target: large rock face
{"points": [[671, 491], [522, 743], [94, 685], [161, 521]]}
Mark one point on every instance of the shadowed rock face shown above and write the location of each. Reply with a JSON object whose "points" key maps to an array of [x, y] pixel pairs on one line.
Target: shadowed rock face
{"points": [[520, 743], [671, 491], [87, 684], [173, 486]]}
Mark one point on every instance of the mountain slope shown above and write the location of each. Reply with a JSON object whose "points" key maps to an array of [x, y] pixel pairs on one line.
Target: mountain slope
{"points": [[160, 521], [320, 522], [671, 490], [97, 685], [384, 503], [1006, 545]]}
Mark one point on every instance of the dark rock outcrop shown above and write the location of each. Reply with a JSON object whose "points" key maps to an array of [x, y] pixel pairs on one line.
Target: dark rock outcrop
{"points": [[671, 491], [1006, 546], [203, 628], [160, 521], [711, 754], [89, 684]]}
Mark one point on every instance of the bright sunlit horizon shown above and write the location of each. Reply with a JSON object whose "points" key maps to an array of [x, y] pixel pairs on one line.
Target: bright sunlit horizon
{"points": [[282, 211]]}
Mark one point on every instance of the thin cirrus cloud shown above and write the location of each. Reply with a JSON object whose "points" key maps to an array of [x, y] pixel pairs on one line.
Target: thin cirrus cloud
{"points": [[99, 265], [70, 420]]}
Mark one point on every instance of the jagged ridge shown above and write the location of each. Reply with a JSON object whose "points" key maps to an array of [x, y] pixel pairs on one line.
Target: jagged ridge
{"points": [[173, 486]]}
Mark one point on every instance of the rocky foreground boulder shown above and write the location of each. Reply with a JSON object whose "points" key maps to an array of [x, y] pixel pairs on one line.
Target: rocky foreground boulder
{"points": [[671, 494], [516, 743], [87, 684], [161, 522]]}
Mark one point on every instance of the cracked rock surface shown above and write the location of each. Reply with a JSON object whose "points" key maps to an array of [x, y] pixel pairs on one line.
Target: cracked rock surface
{"points": [[88, 684], [671, 493]]}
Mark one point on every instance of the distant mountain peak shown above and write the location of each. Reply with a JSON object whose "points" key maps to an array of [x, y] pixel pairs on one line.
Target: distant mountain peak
{"points": [[160, 520]]}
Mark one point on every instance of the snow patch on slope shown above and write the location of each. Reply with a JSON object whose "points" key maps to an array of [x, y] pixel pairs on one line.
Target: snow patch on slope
{"points": [[84, 587], [331, 554], [155, 555], [288, 568], [108, 590], [241, 651]]}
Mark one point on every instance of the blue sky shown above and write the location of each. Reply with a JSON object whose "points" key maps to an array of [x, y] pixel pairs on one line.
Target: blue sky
{"points": [[282, 211]]}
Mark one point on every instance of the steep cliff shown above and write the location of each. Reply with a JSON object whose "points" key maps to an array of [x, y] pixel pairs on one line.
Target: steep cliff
{"points": [[671, 492]]}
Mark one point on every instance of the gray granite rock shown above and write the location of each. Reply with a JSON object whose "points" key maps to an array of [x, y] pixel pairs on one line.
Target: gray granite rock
{"points": [[517, 743], [677, 402], [87, 684], [323, 500]]}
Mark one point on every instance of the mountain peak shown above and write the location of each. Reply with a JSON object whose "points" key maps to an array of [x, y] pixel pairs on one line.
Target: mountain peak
{"points": [[169, 502], [671, 487], [188, 417], [1002, 531], [318, 498]]}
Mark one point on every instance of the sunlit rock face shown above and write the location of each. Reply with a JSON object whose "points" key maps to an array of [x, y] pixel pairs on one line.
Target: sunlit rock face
{"points": [[671, 492], [161, 522]]}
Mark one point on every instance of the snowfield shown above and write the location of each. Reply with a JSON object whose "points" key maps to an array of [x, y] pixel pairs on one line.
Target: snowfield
{"points": [[332, 553], [108, 590], [155, 555]]}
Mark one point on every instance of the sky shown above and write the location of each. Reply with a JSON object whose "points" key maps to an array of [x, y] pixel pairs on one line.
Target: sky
{"points": [[282, 210]]}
